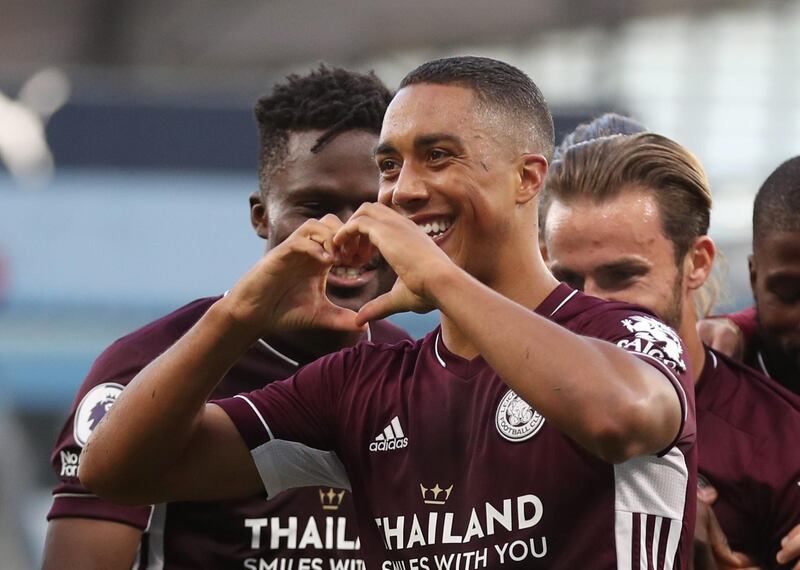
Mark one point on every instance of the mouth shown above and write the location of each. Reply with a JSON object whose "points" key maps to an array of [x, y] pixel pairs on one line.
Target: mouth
{"points": [[347, 277], [436, 228]]}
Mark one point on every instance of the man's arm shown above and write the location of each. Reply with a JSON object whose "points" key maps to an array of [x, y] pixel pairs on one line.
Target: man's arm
{"points": [[87, 544], [577, 393], [160, 435], [607, 400]]}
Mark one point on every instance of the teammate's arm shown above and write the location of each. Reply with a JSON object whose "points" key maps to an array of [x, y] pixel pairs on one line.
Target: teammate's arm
{"points": [[607, 400], [160, 434], [88, 544]]}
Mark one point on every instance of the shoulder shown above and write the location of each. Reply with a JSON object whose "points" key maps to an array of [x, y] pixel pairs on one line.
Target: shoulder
{"points": [[631, 327], [136, 349], [749, 401]]}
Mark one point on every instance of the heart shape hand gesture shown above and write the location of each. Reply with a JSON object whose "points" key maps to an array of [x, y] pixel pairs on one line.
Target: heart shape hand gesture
{"points": [[285, 290]]}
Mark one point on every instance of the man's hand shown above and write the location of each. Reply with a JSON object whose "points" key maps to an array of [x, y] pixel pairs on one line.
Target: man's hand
{"points": [[406, 248], [711, 548], [285, 290], [790, 548], [723, 335]]}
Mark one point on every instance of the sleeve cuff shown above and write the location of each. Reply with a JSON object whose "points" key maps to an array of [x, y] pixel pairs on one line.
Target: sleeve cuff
{"points": [[75, 505]]}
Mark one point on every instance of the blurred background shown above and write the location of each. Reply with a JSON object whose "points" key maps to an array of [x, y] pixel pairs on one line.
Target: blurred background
{"points": [[128, 151]]}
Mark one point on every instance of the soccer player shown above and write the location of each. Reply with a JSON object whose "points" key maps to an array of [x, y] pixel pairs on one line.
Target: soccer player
{"points": [[627, 221], [503, 439], [768, 335], [317, 136]]}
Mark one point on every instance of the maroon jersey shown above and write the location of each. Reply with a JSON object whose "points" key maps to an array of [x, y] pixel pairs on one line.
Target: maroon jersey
{"points": [[451, 469], [747, 437], [311, 529]]}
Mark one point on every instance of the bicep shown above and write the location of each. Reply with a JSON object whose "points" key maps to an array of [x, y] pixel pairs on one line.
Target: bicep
{"points": [[215, 465], [89, 544]]}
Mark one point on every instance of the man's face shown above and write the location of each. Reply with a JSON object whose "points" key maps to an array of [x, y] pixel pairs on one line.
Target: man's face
{"points": [[447, 166], [775, 279], [335, 180], [616, 250]]}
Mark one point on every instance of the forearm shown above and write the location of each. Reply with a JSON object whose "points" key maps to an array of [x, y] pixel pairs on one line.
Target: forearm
{"points": [[153, 420], [605, 399]]}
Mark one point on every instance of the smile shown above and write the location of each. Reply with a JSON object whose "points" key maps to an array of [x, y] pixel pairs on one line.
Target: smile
{"points": [[436, 228]]}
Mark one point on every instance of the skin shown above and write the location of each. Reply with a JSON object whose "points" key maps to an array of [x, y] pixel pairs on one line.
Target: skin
{"points": [[336, 180], [617, 250], [775, 280], [438, 160]]}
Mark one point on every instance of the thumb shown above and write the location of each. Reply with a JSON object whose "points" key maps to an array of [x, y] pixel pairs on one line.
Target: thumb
{"points": [[707, 493], [378, 308], [333, 317]]}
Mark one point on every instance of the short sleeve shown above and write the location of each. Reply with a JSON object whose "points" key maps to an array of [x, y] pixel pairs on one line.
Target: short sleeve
{"points": [[657, 344], [290, 429], [95, 397]]}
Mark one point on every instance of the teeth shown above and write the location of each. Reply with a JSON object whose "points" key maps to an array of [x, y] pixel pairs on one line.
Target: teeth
{"points": [[347, 272], [437, 227]]}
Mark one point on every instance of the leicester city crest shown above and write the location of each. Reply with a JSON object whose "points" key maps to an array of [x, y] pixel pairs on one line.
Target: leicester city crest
{"points": [[94, 405], [516, 420]]}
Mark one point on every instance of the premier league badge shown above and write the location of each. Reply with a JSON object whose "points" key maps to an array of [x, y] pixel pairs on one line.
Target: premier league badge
{"points": [[93, 407], [516, 420]]}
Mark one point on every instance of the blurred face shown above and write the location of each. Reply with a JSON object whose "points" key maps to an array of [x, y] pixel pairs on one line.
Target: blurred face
{"points": [[775, 279], [616, 250], [335, 180], [445, 165]]}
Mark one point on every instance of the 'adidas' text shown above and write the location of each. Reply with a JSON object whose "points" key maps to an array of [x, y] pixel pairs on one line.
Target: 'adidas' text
{"points": [[391, 438]]}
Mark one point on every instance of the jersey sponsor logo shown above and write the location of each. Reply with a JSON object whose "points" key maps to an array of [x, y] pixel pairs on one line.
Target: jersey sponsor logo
{"points": [[93, 407], [515, 419], [654, 338], [331, 499], [405, 532], [69, 463], [391, 438], [294, 533], [435, 495]]}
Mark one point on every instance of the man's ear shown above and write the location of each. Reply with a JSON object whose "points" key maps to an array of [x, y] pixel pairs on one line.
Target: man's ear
{"points": [[752, 267], [259, 218], [699, 262], [533, 171]]}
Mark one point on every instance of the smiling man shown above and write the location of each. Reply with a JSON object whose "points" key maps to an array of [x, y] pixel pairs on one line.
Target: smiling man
{"points": [[535, 428], [627, 221], [317, 136]]}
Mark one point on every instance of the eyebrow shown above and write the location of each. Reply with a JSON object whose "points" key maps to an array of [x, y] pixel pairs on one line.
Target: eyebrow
{"points": [[421, 141], [627, 263]]}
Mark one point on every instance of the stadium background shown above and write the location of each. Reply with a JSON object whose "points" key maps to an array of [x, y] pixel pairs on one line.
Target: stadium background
{"points": [[128, 150]]}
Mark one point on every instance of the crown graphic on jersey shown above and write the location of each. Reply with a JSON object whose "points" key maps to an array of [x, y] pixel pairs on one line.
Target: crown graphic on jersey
{"points": [[331, 499], [391, 438], [435, 495]]}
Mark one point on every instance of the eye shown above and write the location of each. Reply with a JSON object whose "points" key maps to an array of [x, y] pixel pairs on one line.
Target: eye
{"points": [[388, 166], [436, 154]]}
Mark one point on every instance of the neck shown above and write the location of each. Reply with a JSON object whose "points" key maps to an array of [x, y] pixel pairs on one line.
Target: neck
{"points": [[688, 332], [522, 278], [307, 345]]}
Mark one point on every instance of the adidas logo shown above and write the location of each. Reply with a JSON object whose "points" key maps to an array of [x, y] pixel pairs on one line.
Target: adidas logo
{"points": [[391, 438]]}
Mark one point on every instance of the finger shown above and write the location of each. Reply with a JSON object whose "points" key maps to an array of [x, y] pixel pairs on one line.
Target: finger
{"points": [[313, 246], [719, 543], [707, 493], [337, 318], [790, 546], [378, 308], [318, 231]]}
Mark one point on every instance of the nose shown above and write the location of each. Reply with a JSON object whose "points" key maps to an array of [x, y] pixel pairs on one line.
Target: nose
{"points": [[410, 191]]}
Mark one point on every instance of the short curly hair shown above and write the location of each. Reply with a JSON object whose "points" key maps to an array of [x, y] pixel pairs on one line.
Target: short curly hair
{"points": [[330, 99], [777, 203]]}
